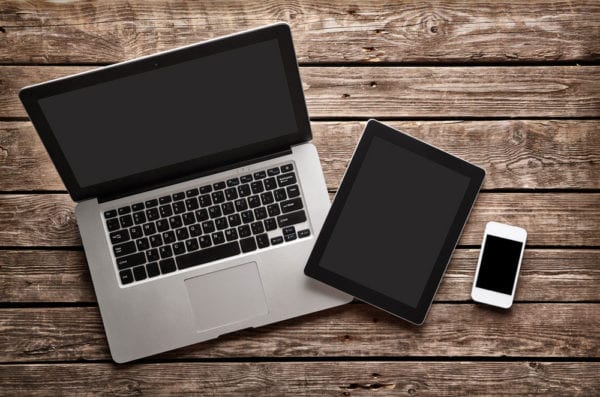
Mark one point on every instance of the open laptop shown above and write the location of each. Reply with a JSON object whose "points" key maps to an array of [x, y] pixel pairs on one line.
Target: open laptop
{"points": [[199, 193]]}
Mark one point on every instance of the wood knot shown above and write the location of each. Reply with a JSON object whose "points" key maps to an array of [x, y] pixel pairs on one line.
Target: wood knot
{"points": [[345, 95], [412, 391], [373, 84], [2, 29], [434, 29]]}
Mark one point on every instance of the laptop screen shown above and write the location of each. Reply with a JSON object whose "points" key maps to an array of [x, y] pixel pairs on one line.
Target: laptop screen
{"points": [[168, 115]]}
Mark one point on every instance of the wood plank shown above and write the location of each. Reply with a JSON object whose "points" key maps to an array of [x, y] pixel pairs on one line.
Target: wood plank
{"points": [[541, 91], [358, 330], [534, 154], [420, 378], [561, 219], [546, 275], [324, 30]]}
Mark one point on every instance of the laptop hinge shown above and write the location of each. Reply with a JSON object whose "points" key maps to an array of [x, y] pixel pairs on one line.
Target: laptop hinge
{"points": [[110, 197]]}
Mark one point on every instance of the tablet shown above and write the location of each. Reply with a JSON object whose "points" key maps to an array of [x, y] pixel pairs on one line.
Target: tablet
{"points": [[394, 222]]}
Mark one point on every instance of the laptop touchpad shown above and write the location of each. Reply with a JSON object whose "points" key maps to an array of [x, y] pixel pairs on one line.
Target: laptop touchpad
{"points": [[227, 296]]}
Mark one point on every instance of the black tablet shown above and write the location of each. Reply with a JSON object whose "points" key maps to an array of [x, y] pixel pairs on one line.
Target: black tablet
{"points": [[394, 222]]}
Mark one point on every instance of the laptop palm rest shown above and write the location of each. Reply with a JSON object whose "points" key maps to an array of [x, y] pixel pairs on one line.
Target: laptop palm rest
{"points": [[226, 296]]}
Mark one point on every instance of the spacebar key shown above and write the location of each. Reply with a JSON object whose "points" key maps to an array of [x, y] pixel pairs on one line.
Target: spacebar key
{"points": [[208, 255]]}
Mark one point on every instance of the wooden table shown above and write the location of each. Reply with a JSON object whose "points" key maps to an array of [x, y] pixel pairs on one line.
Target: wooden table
{"points": [[511, 86]]}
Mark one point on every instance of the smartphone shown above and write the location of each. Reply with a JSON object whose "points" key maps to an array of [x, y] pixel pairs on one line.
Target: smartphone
{"points": [[499, 264]]}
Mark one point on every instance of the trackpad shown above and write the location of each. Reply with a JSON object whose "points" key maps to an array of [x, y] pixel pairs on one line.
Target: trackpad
{"points": [[227, 296]]}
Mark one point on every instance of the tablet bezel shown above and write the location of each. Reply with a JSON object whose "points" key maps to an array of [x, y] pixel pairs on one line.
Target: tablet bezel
{"points": [[415, 315]]}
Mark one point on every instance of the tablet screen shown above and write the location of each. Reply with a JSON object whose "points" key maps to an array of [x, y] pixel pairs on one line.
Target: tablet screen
{"points": [[394, 222]]}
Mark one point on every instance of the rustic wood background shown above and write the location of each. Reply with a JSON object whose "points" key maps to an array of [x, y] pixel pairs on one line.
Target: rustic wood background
{"points": [[513, 86]]}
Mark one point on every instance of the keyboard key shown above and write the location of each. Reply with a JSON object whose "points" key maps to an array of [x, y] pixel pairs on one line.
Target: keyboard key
{"points": [[205, 241], [208, 255], [205, 189], [273, 210], [260, 174], [136, 231], [270, 184], [293, 191], [188, 218], [201, 215], [303, 233], [167, 266], [241, 205], [247, 217], [270, 224], [126, 276], [227, 208], [151, 203], [152, 255], [168, 237], [280, 194], [205, 201], [192, 192], [233, 182], [182, 234], [110, 214], [289, 237], [119, 236], [218, 197], [137, 206], [218, 238], [179, 207], [178, 196], [191, 204], [152, 269], [266, 198], [219, 185], [165, 251], [126, 221], [231, 194], [244, 231], [221, 223], [246, 179], [262, 240], [124, 210], [113, 224], [257, 228], [253, 201], [208, 227], [260, 213], [175, 221], [142, 244], [286, 179], [273, 171], [291, 205], [164, 199], [234, 220], [215, 211], [165, 211], [195, 230], [124, 249], [128, 261], [231, 234], [288, 230], [152, 214], [248, 244], [191, 244], [155, 240], [139, 273], [162, 225], [257, 187], [277, 240], [179, 248], [287, 168], [139, 218], [291, 219], [244, 190]]}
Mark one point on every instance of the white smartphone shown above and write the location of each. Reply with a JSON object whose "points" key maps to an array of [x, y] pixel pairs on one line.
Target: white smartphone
{"points": [[499, 264]]}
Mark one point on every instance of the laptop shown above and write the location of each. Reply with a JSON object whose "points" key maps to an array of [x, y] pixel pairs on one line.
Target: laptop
{"points": [[199, 193]]}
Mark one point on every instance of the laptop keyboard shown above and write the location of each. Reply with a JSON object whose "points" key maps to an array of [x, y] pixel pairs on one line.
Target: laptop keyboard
{"points": [[207, 223]]}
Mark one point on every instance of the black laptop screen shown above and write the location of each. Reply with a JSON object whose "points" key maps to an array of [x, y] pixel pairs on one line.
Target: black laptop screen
{"points": [[142, 122]]}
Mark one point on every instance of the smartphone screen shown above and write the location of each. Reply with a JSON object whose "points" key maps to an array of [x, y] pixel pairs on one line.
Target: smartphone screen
{"points": [[499, 264]]}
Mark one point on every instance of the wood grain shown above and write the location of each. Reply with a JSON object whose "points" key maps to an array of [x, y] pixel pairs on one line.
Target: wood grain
{"points": [[355, 330], [323, 30], [551, 275], [398, 92], [569, 219], [532, 154], [326, 378]]}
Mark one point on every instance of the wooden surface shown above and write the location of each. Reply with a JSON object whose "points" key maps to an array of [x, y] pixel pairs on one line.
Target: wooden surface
{"points": [[511, 86]]}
